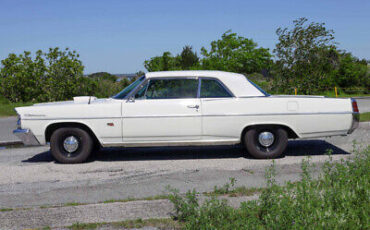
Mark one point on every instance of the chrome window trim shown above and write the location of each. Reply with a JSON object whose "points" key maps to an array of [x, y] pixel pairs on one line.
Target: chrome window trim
{"points": [[134, 91], [222, 85], [128, 95], [199, 87]]}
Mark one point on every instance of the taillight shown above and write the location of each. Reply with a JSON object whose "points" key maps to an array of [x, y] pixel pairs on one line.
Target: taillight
{"points": [[354, 106]]}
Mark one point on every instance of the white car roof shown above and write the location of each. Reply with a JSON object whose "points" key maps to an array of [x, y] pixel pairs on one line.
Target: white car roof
{"points": [[237, 83]]}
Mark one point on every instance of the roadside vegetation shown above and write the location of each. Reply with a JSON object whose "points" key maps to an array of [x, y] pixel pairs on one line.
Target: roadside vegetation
{"points": [[130, 224], [338, 199], [7, 107], [365, 116]]}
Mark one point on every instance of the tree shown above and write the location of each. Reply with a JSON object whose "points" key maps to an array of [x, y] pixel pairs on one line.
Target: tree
{"points": [[235, 54], [352, 72], [21, 77], [55, 75], [139, 73], [162, 63], [189, 58], [64, 73], [306, 57], [184, 61], [103, 76]]}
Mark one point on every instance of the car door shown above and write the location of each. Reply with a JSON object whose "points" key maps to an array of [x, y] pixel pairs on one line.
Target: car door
{"points": [[216, 99], [163, 110]]}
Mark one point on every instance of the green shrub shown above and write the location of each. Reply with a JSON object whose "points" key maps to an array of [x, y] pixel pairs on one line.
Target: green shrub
{"points": [[338, 199], [49, 76]]}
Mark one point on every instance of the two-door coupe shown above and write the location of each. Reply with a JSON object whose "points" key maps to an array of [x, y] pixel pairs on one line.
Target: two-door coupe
{"points": [[184, 108]]}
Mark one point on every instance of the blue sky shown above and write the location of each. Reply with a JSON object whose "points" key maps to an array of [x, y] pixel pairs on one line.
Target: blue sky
{"points": [[117, 36]]}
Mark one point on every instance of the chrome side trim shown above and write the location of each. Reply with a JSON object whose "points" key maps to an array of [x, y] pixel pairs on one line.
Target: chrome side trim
{"points": [[331, 131], [73, 118], [182, 115], [172, 143], [276, 114], [355, 122], [26, 136]]}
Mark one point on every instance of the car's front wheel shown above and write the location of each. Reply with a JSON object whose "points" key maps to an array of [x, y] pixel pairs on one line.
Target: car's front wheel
{"points": [[266, 142], [71, 145]]}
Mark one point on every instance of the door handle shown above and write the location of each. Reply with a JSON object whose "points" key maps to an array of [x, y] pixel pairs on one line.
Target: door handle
{"points": [[193, 106]]}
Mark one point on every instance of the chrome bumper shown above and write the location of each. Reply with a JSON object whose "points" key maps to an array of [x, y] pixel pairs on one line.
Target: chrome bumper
{"points": [[355, 122], [26, 136]]}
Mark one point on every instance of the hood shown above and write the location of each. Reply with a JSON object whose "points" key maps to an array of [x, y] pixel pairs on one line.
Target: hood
{"points": [[76, 100]]}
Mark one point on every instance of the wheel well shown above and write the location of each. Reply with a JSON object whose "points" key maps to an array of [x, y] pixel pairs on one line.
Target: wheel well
{"points": [[291, 133], [51, 128]]}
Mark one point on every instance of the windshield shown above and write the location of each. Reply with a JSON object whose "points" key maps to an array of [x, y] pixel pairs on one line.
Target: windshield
{"points": [[129, 88]]}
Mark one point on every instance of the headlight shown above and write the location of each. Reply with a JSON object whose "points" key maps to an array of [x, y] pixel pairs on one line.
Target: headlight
{"points": [[19, 123]]}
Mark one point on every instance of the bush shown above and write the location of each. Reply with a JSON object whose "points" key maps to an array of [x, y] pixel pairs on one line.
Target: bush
{"points": [[51, 76], [338, 199]]}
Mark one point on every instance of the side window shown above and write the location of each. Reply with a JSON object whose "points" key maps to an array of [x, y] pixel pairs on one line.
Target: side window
{"points": [[212, 88], [172, 88]]}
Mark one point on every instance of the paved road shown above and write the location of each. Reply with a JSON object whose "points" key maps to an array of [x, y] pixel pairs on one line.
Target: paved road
{"points": [[7, 125], [363, 104], [30, 177]]}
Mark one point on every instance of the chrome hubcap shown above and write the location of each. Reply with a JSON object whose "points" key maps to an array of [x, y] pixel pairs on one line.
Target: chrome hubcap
{"points": [[266, 139], [70, 144]]}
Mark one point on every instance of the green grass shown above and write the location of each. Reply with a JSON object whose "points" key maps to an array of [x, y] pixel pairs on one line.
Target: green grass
{"points": [[342, 94], [6, 209], [158, 197], [365, 116], [229, 189], [338, 199], [7, 108], [165, 223]]}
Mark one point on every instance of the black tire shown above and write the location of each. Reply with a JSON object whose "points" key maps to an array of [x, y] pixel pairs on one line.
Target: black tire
{"points": [[257, 150], [83, 151]]}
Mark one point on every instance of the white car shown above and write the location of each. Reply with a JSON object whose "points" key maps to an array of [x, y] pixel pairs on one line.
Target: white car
{"points": [[184, 108]]}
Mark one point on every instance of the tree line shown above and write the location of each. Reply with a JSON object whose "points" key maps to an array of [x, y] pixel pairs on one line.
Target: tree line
{"points": [[52, 76], [306, 57]]}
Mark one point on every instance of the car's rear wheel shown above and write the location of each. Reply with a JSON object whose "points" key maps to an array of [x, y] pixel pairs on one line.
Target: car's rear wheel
{"points": [[71, 145], [266, 142]]}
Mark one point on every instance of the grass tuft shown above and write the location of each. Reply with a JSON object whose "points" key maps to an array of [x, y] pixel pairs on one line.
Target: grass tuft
{"points": [[165, 223], [364, 117], [6, 209]]}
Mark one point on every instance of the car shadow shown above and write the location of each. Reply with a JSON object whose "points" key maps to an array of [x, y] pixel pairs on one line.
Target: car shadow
{"points": [[294, 148]]}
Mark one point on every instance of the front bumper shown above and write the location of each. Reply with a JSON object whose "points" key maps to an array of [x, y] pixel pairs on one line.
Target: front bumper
{"points": [[355, 122], [26, 136]]}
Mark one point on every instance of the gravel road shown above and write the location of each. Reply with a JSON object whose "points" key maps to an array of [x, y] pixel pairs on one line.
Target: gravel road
{"points": [[29, 176]]}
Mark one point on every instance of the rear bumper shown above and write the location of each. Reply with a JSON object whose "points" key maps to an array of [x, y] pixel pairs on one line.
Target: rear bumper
{"points": [[355, 122], [26, 136]]}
